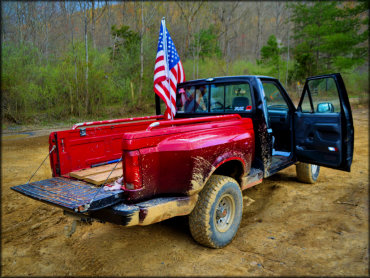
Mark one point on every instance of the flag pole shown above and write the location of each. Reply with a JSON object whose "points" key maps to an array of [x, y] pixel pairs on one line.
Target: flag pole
{"points": [[167, 65]]}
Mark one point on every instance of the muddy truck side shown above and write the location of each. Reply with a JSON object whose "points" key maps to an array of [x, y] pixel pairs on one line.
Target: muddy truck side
{"points": [[228, 134]]}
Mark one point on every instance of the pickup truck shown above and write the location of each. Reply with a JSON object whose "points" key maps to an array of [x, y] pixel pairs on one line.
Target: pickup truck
{"points": [[228, 134]]}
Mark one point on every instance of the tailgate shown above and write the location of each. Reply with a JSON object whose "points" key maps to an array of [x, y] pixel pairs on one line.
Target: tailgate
{"points": [[69, 194]]}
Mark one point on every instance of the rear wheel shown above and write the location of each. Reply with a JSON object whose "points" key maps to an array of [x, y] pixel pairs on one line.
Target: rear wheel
{"points": [[307, 173], [218, 212]]}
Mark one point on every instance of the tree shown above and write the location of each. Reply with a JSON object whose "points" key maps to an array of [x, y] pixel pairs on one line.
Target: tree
{"points": [[328, 37], [125, 54], [271, 55], [261, 9], [188, 11], [84, 8], [207, 43], [229, 16], [145, 21]]}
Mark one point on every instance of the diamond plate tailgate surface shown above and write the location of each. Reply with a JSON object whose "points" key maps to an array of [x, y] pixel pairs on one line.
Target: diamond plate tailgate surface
{"points": [[69, 194]]}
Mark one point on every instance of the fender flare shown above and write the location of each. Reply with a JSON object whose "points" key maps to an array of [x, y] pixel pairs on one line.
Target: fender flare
{"points": [[198, 181]]}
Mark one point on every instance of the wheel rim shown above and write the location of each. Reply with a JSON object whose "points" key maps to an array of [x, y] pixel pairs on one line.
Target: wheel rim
{"points": [[224, 213], [313, 168], [315, 171]]}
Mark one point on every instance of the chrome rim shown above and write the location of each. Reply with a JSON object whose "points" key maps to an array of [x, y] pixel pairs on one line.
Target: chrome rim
{"points": [[224, 213], [313, 168], [315, 171]]}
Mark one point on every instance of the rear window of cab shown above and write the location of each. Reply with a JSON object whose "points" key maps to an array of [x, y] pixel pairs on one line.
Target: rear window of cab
{"points": [[214, 98]]}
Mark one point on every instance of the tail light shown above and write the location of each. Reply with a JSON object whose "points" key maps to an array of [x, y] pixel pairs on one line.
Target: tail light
{"points": [[131, 170]]}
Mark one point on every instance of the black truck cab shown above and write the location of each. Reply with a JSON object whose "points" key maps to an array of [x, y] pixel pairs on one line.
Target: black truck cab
{"points": [[319, 131]]}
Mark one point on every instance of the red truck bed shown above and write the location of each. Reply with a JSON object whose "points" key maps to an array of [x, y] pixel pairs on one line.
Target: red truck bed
{"points": [[99, 142], [90, 143]]}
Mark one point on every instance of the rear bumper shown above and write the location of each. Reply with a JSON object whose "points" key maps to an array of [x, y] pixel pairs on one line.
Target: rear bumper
{"points": [[148, 212]]}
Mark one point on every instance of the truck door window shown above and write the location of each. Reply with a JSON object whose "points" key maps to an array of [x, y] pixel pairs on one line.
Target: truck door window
{"points": [[238, 98], [274, 99], [306, 104], [324, 96]]}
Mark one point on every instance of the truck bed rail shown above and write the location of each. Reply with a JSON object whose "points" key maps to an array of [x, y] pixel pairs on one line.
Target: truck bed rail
{"points": [[115, 121], [167, 123]]}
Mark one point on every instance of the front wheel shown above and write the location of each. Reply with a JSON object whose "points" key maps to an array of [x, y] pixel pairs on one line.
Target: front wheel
{"points": [[218, 212], [307, 173]]}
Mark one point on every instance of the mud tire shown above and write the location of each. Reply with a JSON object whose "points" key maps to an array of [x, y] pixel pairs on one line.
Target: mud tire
{"points": [[307, 173], [206, 227]]}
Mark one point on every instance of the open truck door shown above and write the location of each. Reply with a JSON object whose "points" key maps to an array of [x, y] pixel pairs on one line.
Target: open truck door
{"points": [[323, 125]]}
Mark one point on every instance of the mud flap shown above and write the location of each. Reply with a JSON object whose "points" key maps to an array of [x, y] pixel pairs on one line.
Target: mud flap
{"points": [[70, 194]]}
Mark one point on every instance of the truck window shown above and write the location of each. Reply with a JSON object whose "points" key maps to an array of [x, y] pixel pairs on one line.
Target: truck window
{"points": [[217, 98], [324, 95], [185, 99], [190, 99], [237, 98], [274, 99], [234, 98], [324, 91], [201, 99]]}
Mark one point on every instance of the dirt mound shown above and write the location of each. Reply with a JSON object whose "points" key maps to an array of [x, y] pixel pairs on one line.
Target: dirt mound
{"points": [[291, 229]]}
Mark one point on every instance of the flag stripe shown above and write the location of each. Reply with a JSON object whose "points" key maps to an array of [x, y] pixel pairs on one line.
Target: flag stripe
{"points": [[167, 74]]}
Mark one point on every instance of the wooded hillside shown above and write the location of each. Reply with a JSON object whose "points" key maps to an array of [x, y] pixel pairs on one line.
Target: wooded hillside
{"points": [[66, 60]]}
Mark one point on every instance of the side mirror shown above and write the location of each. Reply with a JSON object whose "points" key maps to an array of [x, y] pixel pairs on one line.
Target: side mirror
{"points": [[325, 107]]}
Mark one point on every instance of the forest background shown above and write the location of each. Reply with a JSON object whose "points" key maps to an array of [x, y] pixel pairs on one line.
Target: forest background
{"points": [[68, 61]]}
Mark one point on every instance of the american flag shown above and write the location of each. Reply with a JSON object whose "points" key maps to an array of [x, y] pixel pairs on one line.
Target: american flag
{"points": [[168, 71]]}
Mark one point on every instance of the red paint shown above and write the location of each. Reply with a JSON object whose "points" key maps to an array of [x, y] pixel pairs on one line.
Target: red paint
{"points": [[170, 156], [162, 159], [101, 143]]}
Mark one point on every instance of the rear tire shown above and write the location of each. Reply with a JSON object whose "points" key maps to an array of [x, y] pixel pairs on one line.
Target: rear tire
{"points": [[307, 173], [218, 212]]}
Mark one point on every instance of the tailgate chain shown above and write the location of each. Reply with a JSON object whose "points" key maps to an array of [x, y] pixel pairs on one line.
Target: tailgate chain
{"points": [[86, 207], [52, 149]]}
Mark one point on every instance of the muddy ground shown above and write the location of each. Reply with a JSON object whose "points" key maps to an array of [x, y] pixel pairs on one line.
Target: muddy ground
{"points": [[291, 229]]}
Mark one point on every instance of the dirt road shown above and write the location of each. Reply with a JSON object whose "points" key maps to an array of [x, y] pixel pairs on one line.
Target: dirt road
{"points": [[291, 229]]}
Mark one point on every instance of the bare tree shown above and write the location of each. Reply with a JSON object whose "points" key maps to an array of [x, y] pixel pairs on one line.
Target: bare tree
{"points": [[84, 9], [279, 12], [261, 13], [47, 16], [95, 18], [20, 18], [146, 18], [189, 11], [229, 16]]}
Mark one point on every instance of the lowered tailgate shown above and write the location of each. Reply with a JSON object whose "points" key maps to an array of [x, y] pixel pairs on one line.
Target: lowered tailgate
{"points": [[69, 194]]}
